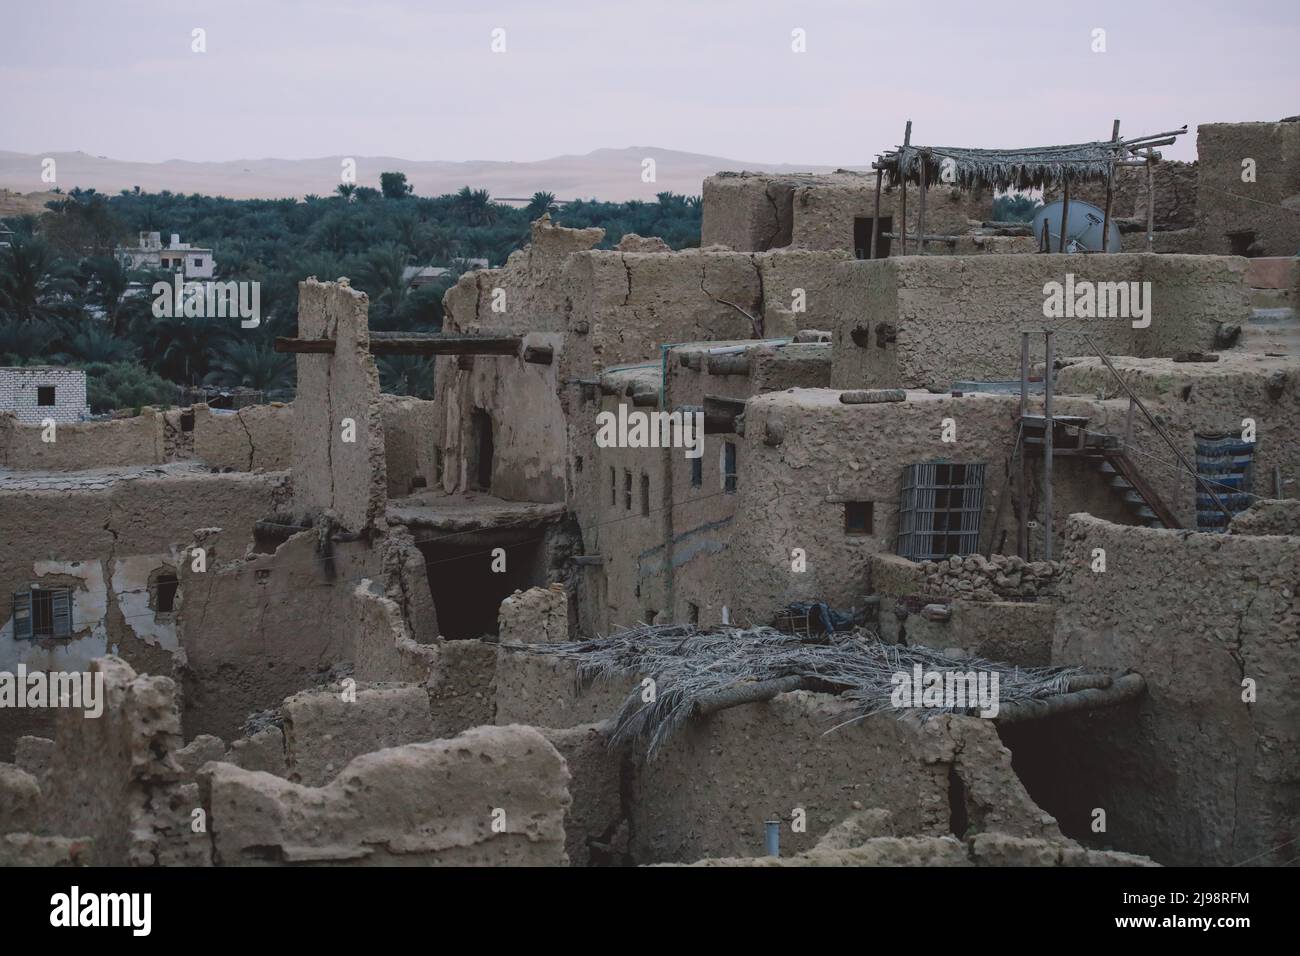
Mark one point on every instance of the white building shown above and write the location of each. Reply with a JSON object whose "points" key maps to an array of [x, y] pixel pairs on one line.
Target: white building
{"points": [[34, 393], [194, 262]]}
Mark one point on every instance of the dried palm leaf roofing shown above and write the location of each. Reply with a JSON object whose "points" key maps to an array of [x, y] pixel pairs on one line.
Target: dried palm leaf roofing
{"points": [[698, 670], [1004, 169]]}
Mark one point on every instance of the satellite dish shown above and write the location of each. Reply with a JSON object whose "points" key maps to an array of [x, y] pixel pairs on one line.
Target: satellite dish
{"points": [[1082, 232]]}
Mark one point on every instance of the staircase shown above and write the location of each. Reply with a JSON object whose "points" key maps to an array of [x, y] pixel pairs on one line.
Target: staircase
{"points": [[1103, 454]]}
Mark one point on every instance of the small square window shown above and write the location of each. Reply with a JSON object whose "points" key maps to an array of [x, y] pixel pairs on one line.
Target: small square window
{"points": [[45, 395], [198, 263], [697, 472], [42, 613], [858, 517], [693, 612]]}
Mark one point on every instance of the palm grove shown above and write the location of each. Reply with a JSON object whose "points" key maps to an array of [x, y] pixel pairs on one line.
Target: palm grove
{"points": [[67, 298]]}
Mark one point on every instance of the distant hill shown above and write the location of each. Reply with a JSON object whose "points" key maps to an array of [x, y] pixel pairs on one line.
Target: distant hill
{"points": [[608, 174]]}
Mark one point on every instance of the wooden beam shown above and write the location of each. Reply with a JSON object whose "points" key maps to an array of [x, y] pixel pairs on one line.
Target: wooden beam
{"points": [[1110, 191], [902, 246], [305, 346], [875, 221]]}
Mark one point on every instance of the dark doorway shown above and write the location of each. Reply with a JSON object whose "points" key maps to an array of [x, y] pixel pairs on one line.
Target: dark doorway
{"points": [[862, 226], [483, 450], [467, 592]]}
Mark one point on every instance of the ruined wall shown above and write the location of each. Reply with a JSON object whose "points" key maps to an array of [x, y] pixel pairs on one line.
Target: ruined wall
{"points": [[423, 804], [253, 438], [116, 780], [107, 537], [1190, 774], [543, 691], [784, 273], [747, 212], [137, 440], [346, 478], [255, 631], [929, 321], [1267, 207]]}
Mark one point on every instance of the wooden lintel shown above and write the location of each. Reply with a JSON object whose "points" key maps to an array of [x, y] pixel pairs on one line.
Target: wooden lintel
{"points": [[539, 354]]}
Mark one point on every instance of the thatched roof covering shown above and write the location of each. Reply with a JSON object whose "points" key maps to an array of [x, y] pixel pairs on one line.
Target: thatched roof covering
{"points": [[1002, 169], [699, 669]]}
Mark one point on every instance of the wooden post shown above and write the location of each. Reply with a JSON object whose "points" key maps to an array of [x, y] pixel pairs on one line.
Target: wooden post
{"points": [[1151, 203], [925, 187], [1022, 538], [875, 222], [1049, 427], [907, 141], [1065, 214], [1110, 190]]}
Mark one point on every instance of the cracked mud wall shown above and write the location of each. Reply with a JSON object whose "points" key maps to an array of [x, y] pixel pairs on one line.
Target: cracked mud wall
{"points": [[1189, 774], [253, 438], [105, 540], [330, 474], [411, 442], [926, 322]]}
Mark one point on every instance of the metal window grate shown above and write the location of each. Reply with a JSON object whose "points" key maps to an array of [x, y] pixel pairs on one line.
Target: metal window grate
{"points": [[939, 510]]}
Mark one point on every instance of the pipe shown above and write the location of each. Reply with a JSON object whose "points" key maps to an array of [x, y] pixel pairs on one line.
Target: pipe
{"points": [[773, 837]]}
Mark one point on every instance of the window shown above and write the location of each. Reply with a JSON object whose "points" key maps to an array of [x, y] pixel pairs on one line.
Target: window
{"points": [[42, 613], [45, 395], [858, 517], [627, 490], [729, 466], [613, 487], [645, 494], [650, 615], [484, 449], [697, 472], [198, 262], [692, 612], [163, 592], [939, 511]]}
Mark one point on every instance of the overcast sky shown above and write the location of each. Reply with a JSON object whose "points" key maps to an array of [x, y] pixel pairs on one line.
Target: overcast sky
{"points": [[419, 80]]}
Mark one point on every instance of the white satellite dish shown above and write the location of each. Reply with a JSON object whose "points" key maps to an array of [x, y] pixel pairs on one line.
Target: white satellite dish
{"points": [[1082, 232]]}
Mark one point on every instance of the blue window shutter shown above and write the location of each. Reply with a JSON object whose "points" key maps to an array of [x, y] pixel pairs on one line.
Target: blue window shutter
{"points": [[22, 615], [61, 601]]}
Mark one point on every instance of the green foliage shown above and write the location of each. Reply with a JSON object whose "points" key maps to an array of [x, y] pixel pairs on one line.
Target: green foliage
{"points": [[126, 385], [64, 293], [1016, 207]]}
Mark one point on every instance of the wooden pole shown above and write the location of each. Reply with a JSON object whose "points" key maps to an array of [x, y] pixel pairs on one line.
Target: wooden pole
{"points": [[1151, 202], [925, 187], [1022, 537], [875, 221], [907, 141], [1065, 215], [1049, 427], [1110, 190]]}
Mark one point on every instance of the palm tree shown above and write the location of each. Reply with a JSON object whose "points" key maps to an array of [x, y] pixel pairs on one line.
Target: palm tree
{"points": [[346, 191], [32, 280], [406, 375], [541, 204], [380, 274], [252, 364], [183, 347], [476, 206], [94, 343]]}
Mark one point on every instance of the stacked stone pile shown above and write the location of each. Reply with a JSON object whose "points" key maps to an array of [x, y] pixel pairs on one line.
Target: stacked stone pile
{"points": [[1001, 577]]}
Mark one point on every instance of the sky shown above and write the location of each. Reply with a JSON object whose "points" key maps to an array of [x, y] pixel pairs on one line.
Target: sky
{"points": [[420, 80]]}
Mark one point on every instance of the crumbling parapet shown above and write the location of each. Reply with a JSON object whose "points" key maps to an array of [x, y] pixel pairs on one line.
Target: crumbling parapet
{"points": [[491, 796], [535, 616]]}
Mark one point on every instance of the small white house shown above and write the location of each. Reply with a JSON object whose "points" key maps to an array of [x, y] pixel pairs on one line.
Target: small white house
{"points": [[194, 262], [34, 393]]}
